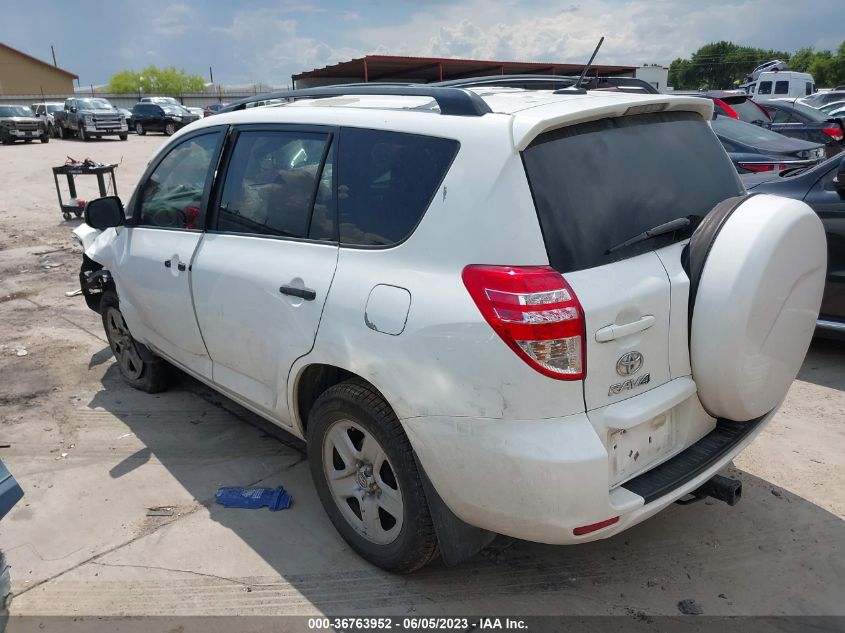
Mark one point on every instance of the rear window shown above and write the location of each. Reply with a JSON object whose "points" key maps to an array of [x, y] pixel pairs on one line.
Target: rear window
{"points": [[598, 184], [386, 181], [746, 109]]}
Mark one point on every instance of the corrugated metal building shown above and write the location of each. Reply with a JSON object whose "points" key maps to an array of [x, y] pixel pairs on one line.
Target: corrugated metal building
{"points": [[22, 74]]}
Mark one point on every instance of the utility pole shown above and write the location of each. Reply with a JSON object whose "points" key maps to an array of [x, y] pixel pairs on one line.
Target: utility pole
{"points": [[210, 74], [53, 50]]}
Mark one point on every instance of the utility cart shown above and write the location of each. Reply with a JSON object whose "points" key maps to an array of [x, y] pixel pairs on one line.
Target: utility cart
{"points": [[74, 206]]}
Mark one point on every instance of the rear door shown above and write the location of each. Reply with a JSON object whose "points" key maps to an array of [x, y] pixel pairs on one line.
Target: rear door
{"points": [[597, 186], [261, 276]]}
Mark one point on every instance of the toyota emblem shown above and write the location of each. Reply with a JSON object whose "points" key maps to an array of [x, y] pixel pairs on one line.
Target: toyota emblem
{"points": [[629, 364]]}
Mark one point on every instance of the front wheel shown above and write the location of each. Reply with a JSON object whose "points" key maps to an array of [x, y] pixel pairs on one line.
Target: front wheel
{"points": [[170, 129], [364, 470], [149, 376], [139, 129], [45, 138], [123, 137], [83, 136]]}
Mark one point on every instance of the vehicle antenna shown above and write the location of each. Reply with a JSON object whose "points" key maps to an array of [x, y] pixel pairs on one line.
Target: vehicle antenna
{"points": [[589, 63]]}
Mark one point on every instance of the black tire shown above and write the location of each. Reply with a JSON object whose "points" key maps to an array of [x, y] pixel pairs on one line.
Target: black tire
{"points": [[45, 138], [124, 137], [169, 129], [82, 135], [27, 140], [145, 375], [139, 129], [356, 401]]}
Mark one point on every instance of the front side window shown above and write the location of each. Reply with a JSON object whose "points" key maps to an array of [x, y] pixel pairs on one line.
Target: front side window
{"points": [[386, 180], [765, 88], [781, 87], [272, 182], [172, 195]]}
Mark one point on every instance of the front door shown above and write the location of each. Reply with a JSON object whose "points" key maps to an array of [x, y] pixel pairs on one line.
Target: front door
{"points": [[156, 250], [261, 276]]}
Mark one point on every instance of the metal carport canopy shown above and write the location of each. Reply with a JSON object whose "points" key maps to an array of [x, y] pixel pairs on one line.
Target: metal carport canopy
{"points": [[428, 69]]}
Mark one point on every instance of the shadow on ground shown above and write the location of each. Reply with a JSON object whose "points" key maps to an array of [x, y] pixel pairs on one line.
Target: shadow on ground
{"points": [[775, 553]]}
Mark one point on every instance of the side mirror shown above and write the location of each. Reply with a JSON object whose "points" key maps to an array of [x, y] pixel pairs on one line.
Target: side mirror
{"points": [[104, 213], [73, 108]]}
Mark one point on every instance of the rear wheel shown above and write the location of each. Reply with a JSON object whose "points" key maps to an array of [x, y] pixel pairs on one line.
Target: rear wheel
{"points": [[146, 375], [364, 470]]}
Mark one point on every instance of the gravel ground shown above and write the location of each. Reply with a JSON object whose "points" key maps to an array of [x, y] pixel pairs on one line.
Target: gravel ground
{"points": [[93, 456]]}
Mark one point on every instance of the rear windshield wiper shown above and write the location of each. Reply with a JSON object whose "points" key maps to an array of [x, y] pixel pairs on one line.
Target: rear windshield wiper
{"points": [[661, 229]]}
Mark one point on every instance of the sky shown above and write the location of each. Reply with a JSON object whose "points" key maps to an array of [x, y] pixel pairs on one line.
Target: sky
{"points": [[266, 41]]}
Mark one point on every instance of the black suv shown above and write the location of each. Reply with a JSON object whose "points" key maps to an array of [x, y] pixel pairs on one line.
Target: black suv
{"points": [[154, 117]]}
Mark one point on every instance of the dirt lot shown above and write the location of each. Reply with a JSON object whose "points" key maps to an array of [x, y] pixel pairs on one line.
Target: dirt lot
{"points": [[93, 456]]}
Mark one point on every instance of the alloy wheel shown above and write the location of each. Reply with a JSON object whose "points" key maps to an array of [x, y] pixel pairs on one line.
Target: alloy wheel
{"points": [[362, 482], [122, 344]]}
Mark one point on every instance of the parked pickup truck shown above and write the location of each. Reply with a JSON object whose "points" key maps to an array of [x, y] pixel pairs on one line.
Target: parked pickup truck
{"points": [[17, 123], [90, 118]]}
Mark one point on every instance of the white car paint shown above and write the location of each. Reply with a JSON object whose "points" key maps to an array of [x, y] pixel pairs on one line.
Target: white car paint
{"points": [[507, 448]]}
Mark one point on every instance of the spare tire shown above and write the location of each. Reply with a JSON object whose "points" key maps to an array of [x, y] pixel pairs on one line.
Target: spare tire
{"points": [[757, 270]]}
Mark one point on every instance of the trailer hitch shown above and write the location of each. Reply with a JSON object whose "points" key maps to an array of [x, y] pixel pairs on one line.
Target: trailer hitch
{"points": [[720, 488]]}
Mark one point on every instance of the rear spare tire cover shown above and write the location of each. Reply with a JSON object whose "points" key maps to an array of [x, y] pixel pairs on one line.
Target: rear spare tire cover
{"points": [[756, 303]]}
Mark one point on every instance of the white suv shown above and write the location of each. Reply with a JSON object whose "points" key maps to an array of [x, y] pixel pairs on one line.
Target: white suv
{"points": [[542, 314]]}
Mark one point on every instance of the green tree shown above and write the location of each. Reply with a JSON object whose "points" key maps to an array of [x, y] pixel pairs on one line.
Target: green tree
{"points": [[159, 81], [719, 65]]}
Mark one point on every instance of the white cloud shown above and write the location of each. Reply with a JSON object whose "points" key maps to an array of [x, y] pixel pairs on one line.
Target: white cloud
{"points": [[268, 47], [636, 32], [176, 19]]}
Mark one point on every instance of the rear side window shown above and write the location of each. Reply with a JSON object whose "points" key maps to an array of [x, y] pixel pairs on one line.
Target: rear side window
{"points": [[386, 180], [598, 184], [272, 182], [765, 88], [781, 87]]}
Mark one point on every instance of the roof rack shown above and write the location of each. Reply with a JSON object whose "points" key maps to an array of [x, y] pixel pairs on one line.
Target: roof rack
{"points": [[451, 101], [504, 81], [623, 84]]}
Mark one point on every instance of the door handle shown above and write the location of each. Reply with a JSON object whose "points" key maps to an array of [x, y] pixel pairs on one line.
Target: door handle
{"points": [[302, 293], [613, 332], [168, 264]]}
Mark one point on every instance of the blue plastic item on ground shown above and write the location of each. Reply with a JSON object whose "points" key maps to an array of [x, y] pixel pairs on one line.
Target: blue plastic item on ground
{"points": [[253, 498]]}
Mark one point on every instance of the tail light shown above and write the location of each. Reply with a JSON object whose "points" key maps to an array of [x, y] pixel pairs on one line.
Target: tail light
{"points": [[761, 167], [535, 312], [728, 110], [833, 132]]}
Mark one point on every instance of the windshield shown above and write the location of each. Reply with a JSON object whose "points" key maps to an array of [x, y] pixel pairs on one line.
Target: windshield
{"points": [[171, 109], [743, 132], [55, 108], [95, 104], [598, 184], [15, 111]]}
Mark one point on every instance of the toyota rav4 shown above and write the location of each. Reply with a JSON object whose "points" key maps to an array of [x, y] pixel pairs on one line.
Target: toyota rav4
{"points": [[544, 314]]}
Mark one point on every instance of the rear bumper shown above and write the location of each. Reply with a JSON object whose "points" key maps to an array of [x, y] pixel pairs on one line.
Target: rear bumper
{"points": [[539, 480]]}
